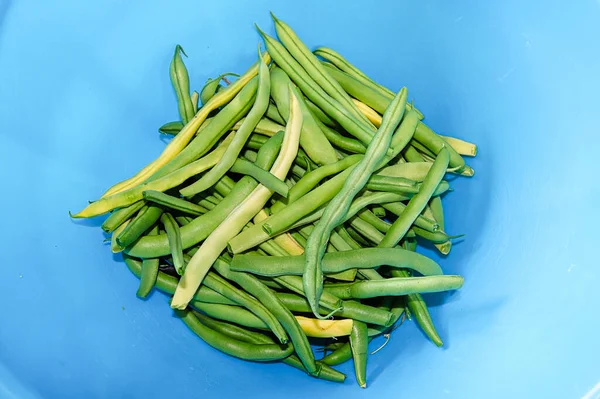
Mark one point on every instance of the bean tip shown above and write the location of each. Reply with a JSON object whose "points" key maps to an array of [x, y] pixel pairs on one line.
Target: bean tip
{"points": [[178, 48], [260, 31]]}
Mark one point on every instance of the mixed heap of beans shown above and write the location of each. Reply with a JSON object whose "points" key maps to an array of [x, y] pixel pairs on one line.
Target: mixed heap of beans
{"points": [[287, 207]]}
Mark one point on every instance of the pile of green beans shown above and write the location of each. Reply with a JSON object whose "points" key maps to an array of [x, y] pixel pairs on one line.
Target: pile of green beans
{"points": [[287, 209]]}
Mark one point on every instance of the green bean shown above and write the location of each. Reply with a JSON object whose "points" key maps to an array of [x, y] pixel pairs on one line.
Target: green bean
{"points": [[205, 203], [181, 83], [397, 208], [397, 309], [416, 171], [273, 114], [314, 92], [233, 347], [366, 230], [351, 310], [119, 216], [258, 308], [379, 211], [435, 143], [218, 126], [254, 143], [270, 300], [232, 330], [278, 222], [230, 156], [438, 237], [265, 178], [314, 68], [265, 126], [335, 262], [419, 310], [394, 286], [167, 284], [352, 237], [320, 115], [164, 183], [149, 272], [436, 212], [171, 128], [169, 201], [294, 284], [403, 135], [174, 237], [144, 220], [183, 220], [311, 179], [358, 90], [418, 202], [369, 217], [231, 313], [202, 226], [312, 139], [359, 342], [422, 149], [340, 355], [217, 241], [211, 86], [339, 140], [195, 97], [412, 155]]}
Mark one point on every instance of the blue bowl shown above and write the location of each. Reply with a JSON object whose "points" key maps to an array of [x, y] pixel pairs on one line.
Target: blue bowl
{"points": [[85, 85]]}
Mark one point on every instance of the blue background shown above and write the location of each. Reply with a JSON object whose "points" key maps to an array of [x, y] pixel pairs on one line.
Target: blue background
{"points": [[84, 86]]}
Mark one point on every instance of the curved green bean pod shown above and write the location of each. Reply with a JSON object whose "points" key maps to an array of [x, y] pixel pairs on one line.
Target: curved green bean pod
{"points": [[338, 140], [418, 202], [335, 262], [265, 178], [359, 342], [230, 313], [379, 211], [320, 115], [437, 237], [350, 309], [294, 284], [181, 82], [436, 212], [149, 272], [312, 138], [233, 347], [270, 300], [119, 216], [394, 286], [174, 236], [338, 207], [241, 297], [239, 140], [169, 201], [369, 217], [146, 218], [202, 226]]}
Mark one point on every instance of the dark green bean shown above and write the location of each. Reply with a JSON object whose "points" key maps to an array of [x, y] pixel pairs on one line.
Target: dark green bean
{"points": [[350, 310], [273, 114], [369, 217], [181, 83], [359, 342], [357, 237], [119, 216], [171, 202], [265, 178], [183, 220], [421, 221], [149, 272], [435, 143], [294, 284], [231, 313], [437, 237], [202, 226], [412, 155], [223, 287], [379, 211], [320, 115], [174, 237], [144, 220], [233, 347], [271, 302], [211, 87]]}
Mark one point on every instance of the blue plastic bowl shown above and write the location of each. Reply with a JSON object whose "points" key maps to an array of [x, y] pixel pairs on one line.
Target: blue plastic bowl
{"points": [[84, 86]]}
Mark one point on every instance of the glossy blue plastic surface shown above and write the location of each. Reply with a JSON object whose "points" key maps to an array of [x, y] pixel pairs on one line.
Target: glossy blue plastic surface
{"points": [[84, 86]]}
